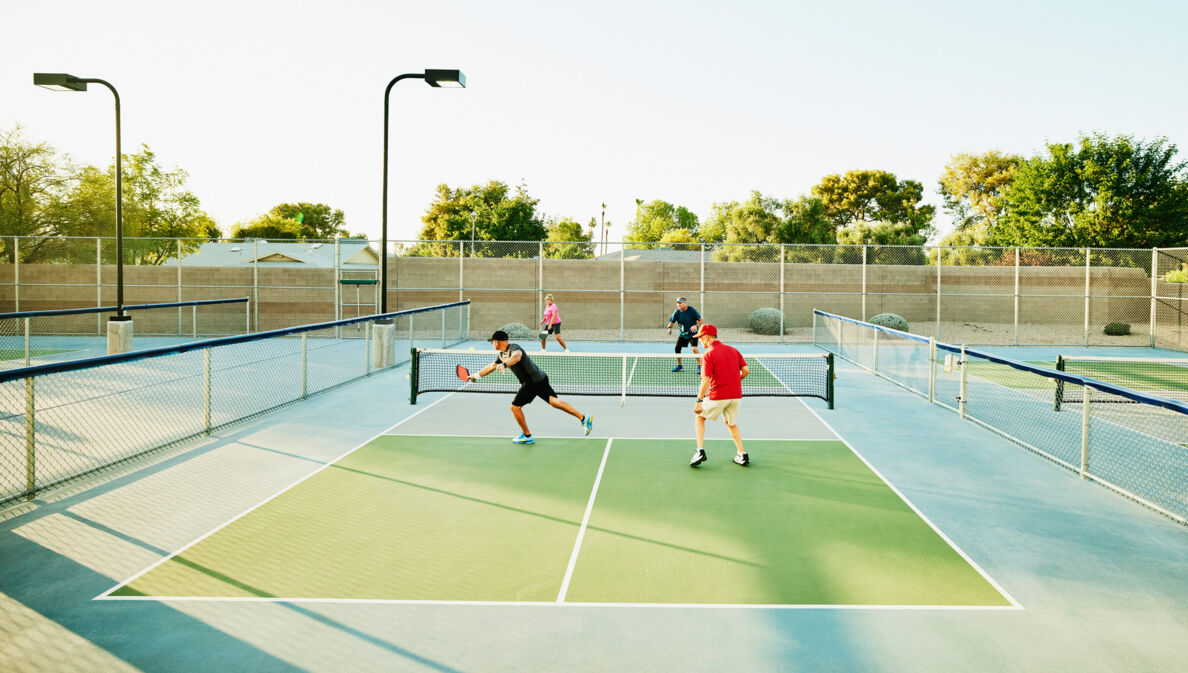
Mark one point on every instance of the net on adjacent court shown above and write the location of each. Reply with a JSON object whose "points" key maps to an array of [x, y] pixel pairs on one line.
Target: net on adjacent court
{"points": [[1165, 377], [625, 374]]}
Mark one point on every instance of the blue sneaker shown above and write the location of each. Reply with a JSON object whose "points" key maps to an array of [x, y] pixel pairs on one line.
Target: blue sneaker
{"points": [[588, 423], [698, 369], [524, 439], [677, 368]]}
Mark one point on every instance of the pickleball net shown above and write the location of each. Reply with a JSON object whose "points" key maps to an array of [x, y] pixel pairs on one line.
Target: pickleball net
{"points": [[1165, 377], [624, 374]]}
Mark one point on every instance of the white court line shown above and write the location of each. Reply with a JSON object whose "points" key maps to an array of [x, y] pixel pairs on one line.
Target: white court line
{"points": [[915, 509], [577, 544], [106, 594], [554, 604], [642, 439]]}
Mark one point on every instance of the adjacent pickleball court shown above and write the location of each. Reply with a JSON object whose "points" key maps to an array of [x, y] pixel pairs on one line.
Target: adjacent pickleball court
{"points": [[446, 508]]}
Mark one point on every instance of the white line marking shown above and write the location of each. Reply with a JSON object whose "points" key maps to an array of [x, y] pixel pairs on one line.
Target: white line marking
{"points": [[106, 594], [632, 374], [642, 439], [577, 544], [554, 604], [915, 509]]}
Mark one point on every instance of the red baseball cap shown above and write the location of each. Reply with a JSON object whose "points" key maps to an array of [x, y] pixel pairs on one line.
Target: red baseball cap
{"points": [[707, 330]]}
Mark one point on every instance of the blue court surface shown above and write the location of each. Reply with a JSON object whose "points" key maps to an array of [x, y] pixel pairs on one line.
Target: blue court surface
{"points": [[1092, 581]]}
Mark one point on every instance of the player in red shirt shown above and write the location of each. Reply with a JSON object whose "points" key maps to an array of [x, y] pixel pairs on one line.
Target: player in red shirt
{"points": [[722, 371]]}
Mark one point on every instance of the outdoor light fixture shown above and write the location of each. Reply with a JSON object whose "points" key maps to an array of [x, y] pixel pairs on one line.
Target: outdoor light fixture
{"points": [[436, 78], [60, 81], [449, 79]]}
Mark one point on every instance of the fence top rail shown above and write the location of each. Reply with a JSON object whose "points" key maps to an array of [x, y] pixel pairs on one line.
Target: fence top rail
{"points": [[1046, 372], [110, 309], [886, 330], [148, 353]]}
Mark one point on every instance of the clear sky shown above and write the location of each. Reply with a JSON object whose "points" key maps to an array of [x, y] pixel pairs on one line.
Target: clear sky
{"points": [[264, 102]]}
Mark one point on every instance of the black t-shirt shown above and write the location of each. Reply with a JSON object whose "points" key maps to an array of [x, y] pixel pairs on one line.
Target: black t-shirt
{"points": [[686, 319], [525, 370]]}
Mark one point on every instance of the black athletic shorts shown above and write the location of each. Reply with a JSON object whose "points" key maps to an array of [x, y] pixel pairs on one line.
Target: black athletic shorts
{"points": [[685, 340], [528, 391], [555, 328]]}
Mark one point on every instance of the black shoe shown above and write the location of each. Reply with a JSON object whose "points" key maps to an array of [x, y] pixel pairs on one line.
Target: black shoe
{"points": [[742, 459], [698, 458]]}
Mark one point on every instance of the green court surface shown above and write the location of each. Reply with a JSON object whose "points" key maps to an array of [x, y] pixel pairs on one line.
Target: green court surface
{"points": [[1141, 375], [1005, 375], [413, 518], [19, 353]]}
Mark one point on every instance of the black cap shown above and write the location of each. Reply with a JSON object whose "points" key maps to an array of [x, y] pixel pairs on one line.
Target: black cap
{"points": [[499, 335]]}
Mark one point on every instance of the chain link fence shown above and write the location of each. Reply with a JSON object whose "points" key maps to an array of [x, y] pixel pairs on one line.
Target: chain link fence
{"points": [[1128, 441], [64, 420], [978, 295], [38, 337]]}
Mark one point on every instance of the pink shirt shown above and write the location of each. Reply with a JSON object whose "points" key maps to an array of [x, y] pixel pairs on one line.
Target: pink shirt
{"points": [[552, 315]]}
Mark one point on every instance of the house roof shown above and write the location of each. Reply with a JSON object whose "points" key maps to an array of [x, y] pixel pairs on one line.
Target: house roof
{"points": [[655, 255], [304, 254]]}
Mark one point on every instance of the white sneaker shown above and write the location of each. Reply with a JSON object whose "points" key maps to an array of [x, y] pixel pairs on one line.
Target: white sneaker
{"points": [[698, 458], [742, 459]]}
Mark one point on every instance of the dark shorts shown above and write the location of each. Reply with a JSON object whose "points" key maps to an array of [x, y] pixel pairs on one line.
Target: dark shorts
{"points": [[555, 328], [685, 340], [529, 391]]}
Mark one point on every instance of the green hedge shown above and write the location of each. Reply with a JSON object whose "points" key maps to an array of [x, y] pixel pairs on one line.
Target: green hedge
{"points": [[766, 321], [890, 320]]}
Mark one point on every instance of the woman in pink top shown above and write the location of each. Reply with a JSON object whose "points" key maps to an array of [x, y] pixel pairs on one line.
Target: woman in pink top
{"points": [[552, 323]]}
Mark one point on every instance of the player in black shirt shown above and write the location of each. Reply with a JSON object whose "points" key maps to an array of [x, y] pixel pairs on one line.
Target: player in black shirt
{"points": [[533, 383]]}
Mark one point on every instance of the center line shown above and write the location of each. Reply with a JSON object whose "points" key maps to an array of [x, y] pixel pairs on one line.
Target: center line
{"points": [[577, 544]]}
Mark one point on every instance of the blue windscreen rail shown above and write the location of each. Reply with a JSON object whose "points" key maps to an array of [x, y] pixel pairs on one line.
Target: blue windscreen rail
{"points": [[113, 309]]}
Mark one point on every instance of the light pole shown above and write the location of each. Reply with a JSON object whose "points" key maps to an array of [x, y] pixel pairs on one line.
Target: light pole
{"points": [[57, 81], [435, 78]]}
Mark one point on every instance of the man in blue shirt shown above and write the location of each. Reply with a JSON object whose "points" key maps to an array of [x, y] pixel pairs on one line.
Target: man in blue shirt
{"points": [[689, 320]]}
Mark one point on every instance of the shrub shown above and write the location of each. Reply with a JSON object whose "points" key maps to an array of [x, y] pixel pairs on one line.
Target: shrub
{"points": [[1180, 275], [517, 330], [766, 321], [1117, 329], [890, 320]]}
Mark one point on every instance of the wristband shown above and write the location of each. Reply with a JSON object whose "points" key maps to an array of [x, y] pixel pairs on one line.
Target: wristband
{"points": [[698, 399]]}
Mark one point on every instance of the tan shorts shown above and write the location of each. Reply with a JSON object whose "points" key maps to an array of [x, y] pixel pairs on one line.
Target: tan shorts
{"points": [[727, 409]]}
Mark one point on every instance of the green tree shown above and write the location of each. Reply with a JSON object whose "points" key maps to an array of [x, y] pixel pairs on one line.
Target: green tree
{"points": [[865, 202], [317, 220], [973, 188], [492, 211], [1098, 192], [158, 209], [32, 176], [566, 240], [655, 218], [763, 219], [269, 226]]}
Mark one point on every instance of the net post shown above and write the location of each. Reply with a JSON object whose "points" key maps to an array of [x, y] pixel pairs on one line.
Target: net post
{"points": [[194, 321], [206, 389], [1059, 384], [27, 341], [829, 379], [1085, 431], [931, 370], [443, 327], [961, 401], [1086, 296], [1154, 293], [623, 389], [413, 368], [30, 441], [876, 351], [304, 367]]}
